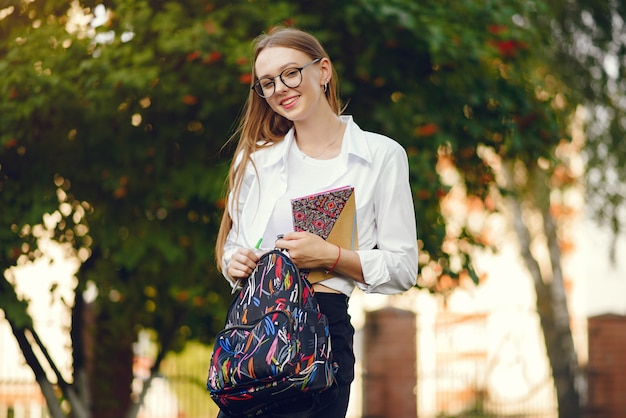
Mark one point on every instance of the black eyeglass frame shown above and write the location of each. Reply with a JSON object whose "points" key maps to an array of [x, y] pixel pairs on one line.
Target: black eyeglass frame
{"points": [[257, 84]]}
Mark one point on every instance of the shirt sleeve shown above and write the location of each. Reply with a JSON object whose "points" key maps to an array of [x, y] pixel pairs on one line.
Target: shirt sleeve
{"points": [[392, 266], [233, 240]]}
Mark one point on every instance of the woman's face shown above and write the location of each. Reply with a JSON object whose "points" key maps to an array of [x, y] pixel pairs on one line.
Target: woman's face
{"points": [[294, 103]]}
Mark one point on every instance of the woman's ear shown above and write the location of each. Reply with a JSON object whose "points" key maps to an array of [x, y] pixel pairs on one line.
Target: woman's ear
{"points": [[326, 71]]}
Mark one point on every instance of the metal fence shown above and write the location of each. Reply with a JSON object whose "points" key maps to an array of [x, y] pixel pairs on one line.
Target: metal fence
{"points": [[21, 400], [487, 365]]}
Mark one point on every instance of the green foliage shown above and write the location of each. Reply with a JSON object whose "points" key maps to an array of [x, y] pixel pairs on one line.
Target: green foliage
{"points": [[14, 307]]}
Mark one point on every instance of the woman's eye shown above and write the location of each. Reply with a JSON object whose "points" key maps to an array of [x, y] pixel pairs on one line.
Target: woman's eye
{"points": [[267, 84], [291, 72]]}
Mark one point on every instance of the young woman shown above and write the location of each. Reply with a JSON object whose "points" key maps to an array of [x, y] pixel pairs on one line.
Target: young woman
{"points": [[292, 142]]}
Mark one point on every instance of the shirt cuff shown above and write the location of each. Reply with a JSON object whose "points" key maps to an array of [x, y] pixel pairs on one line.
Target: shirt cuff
{"points": [[375, 272]]}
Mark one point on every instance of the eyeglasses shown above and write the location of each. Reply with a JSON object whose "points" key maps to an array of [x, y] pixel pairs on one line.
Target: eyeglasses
{"points": [[290, 77]]}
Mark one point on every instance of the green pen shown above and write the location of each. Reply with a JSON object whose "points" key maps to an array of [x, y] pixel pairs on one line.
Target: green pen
{"points": [[258, 244]]}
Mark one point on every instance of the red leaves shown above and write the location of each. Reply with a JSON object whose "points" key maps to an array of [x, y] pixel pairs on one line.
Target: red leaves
{"points": [[497, 29], [507, 47], [192, 56], [122, 190], [422, 194], [214, 56], [190, 99], [428, 129], [210, 27], [15, 253], [182, 296]]}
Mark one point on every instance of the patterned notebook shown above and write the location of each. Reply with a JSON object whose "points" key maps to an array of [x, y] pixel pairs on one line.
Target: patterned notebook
{"points": [[331, 215], [318, 212]]}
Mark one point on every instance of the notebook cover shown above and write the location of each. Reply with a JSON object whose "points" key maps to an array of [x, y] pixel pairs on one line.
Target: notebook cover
{"points": [[332, 216]]}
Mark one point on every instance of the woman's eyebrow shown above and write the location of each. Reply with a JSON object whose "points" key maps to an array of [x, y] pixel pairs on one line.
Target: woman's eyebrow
{"points": [[280, 69]]}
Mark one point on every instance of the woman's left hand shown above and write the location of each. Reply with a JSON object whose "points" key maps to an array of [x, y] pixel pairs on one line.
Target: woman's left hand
{"points": [[308, 250], [242, 263]]}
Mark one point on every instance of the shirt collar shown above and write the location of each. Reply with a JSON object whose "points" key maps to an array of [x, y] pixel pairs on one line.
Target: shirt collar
{"points": [[354, 144], [355, 140]]}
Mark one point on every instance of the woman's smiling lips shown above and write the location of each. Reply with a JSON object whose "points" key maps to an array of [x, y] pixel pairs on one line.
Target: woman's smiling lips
{"points": [[288, 101]]}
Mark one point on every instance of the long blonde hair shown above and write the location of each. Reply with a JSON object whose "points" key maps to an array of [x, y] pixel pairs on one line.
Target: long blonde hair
{"points": [[260, 126]]}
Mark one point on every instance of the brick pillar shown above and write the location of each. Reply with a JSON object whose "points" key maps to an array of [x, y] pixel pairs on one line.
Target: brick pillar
{"points": [[390, 363], [606, 370]]}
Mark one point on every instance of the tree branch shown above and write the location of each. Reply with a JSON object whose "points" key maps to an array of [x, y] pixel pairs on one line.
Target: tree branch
{"points": [[46, 386], [79, 408]]}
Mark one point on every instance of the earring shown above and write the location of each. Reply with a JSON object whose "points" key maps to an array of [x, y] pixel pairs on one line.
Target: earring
{"points": [[325, 86]]}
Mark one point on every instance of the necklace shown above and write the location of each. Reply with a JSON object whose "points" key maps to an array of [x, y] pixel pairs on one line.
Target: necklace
{"points": [[330, 144]]}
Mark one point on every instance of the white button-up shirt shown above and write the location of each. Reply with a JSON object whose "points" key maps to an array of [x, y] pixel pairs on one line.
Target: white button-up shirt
{"points": [[377, 167]]}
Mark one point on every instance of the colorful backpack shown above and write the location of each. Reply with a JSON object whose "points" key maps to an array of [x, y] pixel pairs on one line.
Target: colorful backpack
{"points": [[276, 343]]}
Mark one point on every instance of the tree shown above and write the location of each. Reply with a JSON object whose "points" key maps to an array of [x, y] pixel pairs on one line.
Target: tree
{"points": [[468, 83], [118, 128], [479, 99], [589, 55]]}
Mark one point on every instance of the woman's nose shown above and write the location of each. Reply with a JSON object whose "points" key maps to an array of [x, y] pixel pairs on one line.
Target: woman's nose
{"points": [[279, 85]]}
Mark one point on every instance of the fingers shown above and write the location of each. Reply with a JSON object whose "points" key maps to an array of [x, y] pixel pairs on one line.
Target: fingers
{"points": [[307, 250], [292, 240], [242, 263], [294, 235]]}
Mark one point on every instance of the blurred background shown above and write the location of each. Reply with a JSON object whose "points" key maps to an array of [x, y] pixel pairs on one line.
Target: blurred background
{"points": [[114, 126]]}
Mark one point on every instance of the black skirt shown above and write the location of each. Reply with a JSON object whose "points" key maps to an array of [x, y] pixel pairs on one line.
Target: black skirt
{"points": [[333, 402]]}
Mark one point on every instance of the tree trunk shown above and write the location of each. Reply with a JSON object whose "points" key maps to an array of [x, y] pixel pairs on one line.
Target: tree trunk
{"points": [[551, 298], [79, 335], [111, 368]]}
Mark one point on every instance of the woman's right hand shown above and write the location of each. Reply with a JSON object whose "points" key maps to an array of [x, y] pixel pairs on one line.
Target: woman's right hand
{"points": [[242, 263]]}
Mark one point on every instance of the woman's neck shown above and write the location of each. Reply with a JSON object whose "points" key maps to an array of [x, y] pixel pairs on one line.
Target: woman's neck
{"points": [[320, 139]]}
